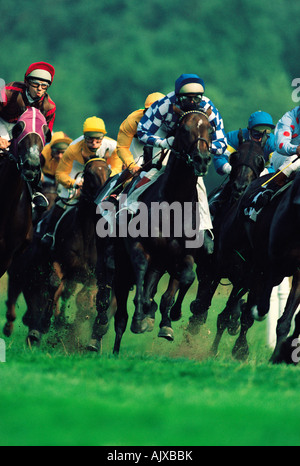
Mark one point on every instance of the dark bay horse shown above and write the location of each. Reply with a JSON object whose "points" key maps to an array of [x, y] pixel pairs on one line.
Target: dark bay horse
{"points": [[21, 165], [142, 259], [247, 164], [48, 274], [271, 248]]}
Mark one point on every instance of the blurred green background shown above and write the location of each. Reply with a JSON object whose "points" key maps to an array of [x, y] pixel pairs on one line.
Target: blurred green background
{"points": [[110, 54]]}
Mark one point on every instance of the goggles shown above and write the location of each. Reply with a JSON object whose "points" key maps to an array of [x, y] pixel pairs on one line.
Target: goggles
{"points": [[259, 134], [92, 138], [185, 98], [37, 84]]}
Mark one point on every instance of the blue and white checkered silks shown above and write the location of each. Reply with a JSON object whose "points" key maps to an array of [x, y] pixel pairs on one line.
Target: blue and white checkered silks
{"points": [[162, 116]]}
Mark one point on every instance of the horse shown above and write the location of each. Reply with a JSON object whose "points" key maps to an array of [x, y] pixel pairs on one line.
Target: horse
{"points": [[247, 164], [49, 273], [271, 249], [20, 166], [141, 259]]}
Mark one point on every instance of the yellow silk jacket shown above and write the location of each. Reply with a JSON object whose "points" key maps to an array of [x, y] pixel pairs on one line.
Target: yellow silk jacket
{"points": [[126, 134], [80, 153]]}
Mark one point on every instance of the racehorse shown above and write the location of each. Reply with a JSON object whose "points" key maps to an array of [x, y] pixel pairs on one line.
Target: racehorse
{"points": [[142, 259], [271, 247], [74, 255], [18, 167], [247, 164]]}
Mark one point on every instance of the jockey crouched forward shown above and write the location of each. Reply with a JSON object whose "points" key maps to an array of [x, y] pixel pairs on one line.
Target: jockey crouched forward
{"points": [[260, 127], [286, 157], [16, 97], [157, 127], [93, 143]]}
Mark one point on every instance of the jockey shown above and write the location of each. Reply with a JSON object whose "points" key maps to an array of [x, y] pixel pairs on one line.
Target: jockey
{"points": [[93, 143], [259, 129], [188, 95], [286, 157], [127, 141], [15, 97], [260, 125], [51, 155]]}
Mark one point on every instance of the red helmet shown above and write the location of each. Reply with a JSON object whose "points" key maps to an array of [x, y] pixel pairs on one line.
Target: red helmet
{"points": [[40, 70]]}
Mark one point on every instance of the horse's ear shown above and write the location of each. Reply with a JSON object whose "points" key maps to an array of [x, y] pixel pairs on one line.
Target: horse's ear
{"points": [[18, 129], [240, 137], [47, 133]]}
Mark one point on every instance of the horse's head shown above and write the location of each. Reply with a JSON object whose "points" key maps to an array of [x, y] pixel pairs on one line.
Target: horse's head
{"points": [[247, 164], [30, 134], [96, 173], [192, 140]]}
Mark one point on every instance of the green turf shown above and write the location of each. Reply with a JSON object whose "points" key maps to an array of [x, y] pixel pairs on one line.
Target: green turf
{"points": [[155, 393]]}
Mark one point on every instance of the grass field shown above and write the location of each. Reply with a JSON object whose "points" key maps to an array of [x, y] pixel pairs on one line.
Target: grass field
{"points": [[156, 393]]}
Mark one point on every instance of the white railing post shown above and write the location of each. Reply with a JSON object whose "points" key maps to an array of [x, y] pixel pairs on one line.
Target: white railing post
{"points": [[278, 301]]}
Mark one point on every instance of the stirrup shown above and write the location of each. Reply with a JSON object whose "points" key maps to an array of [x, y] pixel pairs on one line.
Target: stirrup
{"points": [[40, 200]]}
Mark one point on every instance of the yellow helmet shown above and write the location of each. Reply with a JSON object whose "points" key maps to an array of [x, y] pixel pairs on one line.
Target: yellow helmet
{"points": [[153, 98], [94, 125], [60, 140]]}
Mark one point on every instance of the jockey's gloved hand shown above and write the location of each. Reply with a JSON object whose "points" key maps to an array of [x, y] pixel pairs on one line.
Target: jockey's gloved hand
{"points": [[165, 143], [263, 199], [227, 168]]}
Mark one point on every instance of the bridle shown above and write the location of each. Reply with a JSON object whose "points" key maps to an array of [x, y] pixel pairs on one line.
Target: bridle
{"points": [[247, 162], [186, 155]]}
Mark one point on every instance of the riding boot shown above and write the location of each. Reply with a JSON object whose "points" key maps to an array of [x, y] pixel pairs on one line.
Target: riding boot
{"points": [[271, 188], [53, 218]]}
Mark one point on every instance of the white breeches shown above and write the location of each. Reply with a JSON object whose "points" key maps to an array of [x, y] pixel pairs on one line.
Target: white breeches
{"points": [[6, 129], [281, 161]]}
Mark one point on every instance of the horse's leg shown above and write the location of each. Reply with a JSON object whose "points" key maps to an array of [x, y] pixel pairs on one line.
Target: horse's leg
{"points": [[166, 303], [105, 271], [139, 260], [207, 285], [283, 349], [121, 315], [228, 318], [241, 350], [14, 289], [150, 289]]}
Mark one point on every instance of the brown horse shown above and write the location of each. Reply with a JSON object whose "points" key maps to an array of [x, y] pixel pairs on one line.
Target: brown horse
{"points": [[47, 275], [142, 259], [20, 166]]}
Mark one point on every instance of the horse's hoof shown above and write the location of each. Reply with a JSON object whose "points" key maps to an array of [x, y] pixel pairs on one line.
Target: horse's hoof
{"points": [[255, 314], [34, 336], [94, 345], [8, 329], [100, 330], [150, 322], [167, 333], [139, 325], [240, 353]]}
